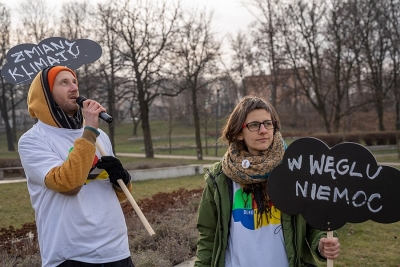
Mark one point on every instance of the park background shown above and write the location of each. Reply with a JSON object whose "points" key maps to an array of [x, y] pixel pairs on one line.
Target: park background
{"points": [[170, 77]]}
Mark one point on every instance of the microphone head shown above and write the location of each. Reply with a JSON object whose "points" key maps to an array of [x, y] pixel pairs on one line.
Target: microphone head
{"points": [[79, 100]]}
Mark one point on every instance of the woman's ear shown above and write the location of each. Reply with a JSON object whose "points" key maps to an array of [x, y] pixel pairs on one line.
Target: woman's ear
{"points": [[240, 137]]}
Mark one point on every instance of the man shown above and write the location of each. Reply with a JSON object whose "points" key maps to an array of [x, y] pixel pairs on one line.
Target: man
{"points": [[73, 190]]}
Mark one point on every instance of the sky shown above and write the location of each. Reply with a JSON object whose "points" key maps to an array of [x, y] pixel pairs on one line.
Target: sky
{"points": [[230, 16]]}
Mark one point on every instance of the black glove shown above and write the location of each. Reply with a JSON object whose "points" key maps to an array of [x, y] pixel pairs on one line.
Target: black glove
{"points": [[114, 168]]}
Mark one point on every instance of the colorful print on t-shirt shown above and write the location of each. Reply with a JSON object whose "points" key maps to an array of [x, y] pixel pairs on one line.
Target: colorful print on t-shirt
{"points": [[244, 210], [94, 172]]}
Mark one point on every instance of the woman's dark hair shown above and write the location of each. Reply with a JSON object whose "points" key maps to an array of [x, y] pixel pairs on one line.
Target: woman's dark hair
{"points": [[233, 126]]}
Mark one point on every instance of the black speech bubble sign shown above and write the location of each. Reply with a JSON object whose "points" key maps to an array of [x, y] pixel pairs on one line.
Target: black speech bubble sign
{"points": [[24, 61], [332, 186]]}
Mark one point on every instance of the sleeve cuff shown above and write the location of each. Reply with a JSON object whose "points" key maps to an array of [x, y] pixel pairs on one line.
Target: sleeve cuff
{"points": [[90, 134], [93, 130]]}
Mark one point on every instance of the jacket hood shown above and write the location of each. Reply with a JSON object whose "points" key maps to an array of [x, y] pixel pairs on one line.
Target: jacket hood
{"points": [[42, 106]]}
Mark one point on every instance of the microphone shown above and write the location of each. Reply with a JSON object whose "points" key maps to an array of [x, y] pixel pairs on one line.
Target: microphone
{"points": [[102, 115]]}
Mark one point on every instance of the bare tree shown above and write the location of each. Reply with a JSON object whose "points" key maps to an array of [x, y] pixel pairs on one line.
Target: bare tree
{"points": [[110, 63], [147, 30], [198, 55], [375, 52], [341, 54], [304, 43], [37, 21], [346, 15], [242, 61], [267, 39], [75, 20], [5, 23], [169, 109], [393, 15], [135, 114], [205, 112]]}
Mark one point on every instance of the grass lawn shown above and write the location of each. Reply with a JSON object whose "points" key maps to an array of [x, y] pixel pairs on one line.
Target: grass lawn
{"points": [[15, 205], [369, 244], [16, 209]]}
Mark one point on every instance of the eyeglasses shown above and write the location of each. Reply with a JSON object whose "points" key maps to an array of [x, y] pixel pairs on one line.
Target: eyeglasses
{"points": [[255, 125]]}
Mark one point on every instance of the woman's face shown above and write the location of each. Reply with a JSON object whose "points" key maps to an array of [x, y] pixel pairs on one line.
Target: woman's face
{"points": [[258, 140]]}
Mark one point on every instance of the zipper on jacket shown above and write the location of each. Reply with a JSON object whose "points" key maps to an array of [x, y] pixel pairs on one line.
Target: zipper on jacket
{"points": [[214, 180], [296, 256]]}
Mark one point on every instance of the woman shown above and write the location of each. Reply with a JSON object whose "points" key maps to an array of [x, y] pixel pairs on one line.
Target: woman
{"points": [[237, 223]]}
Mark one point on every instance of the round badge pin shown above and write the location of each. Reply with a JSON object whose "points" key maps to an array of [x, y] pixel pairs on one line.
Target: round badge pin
{"points": [[245, 163]]}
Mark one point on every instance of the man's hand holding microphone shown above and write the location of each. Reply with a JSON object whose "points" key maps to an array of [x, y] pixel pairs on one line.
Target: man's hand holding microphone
{"points": [[95, 108], [92, 111]]}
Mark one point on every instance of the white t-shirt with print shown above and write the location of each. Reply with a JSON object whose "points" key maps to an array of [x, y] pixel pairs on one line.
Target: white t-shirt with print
{"points": [[88, 227], [252, 245]]}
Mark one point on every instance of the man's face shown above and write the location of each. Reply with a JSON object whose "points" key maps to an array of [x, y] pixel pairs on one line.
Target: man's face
{"points": [[65, 92]]}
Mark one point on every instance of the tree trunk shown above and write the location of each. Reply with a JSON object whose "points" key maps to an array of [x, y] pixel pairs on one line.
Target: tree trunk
{"points": [[111, 110], [144, 115], [4, 115], [199, 150]]}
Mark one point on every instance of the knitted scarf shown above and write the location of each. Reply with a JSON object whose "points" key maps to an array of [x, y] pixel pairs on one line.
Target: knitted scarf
{"points": [[252, 172]]}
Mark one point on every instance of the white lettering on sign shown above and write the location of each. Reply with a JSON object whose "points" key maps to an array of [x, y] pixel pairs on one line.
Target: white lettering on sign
{"points": [[337, 193], [376, 173], [70, 48], [295, 163], [323, 193], [33, 51], [327, 165], [42, 55], [19, 57]]}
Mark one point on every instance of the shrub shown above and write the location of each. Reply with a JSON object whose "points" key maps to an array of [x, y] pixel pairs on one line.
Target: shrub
{"points": [[172, 216]]}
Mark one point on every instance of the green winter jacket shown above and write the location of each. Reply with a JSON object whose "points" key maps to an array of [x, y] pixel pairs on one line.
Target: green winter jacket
{"points": [[213, 225]]}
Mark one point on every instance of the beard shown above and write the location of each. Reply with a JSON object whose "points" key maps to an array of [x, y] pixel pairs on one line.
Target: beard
{"points": [[70, 108]]}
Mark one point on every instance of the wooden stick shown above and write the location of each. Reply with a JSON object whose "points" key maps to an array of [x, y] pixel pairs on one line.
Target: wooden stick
{"points": [[130, 198], [329, 235]]}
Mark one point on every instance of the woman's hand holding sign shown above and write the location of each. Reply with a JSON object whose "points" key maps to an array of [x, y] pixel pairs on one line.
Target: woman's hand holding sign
{"points": [[329, 248]]}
